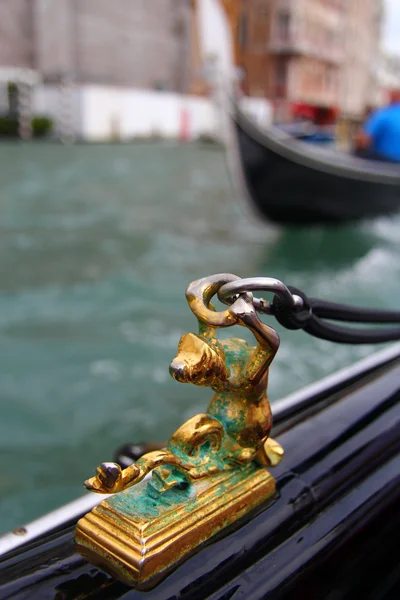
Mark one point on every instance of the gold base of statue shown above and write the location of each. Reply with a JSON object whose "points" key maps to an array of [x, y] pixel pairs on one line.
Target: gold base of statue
{"points": [[139, 541]]}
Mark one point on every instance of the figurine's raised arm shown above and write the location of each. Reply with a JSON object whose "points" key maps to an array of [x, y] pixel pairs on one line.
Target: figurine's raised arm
{"points": [[267, 346], [242, 312]]}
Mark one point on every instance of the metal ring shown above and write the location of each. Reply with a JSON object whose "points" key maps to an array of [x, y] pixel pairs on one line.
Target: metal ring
{"points": [[199, 294], [229, 291]]}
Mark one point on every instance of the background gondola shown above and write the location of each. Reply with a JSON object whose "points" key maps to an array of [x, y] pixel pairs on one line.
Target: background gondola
{"points": [[290, 182], [287, 181]]}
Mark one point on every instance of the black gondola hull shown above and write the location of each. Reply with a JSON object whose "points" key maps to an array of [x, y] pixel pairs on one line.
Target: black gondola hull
{"points": [[289, 183], [336, 507]]}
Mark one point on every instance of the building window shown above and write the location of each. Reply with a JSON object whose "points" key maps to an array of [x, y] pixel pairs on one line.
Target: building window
{"points": [[281, 72], [283, 25], [281, 75], [243, 31], [260, 30]]}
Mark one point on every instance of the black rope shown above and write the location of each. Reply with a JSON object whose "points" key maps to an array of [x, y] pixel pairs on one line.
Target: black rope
{"points": [[310, 319], [341, 312]]}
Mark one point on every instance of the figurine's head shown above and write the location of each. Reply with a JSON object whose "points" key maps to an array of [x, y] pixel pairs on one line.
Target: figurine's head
{"points": [[198, 361]]}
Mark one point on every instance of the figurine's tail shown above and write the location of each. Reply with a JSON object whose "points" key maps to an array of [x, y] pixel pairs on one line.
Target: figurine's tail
{"points": [[199, 432], [188, 452], [188, 449]]}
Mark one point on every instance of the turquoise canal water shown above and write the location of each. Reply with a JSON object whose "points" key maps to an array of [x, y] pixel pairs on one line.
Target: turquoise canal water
{"points": [[98, 244]]}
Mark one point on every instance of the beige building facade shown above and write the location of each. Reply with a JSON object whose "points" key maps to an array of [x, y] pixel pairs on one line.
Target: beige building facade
{"points": [[310, 56], [140, 43], [307, 43], [16, 34], [290, 51], [360, 68]]}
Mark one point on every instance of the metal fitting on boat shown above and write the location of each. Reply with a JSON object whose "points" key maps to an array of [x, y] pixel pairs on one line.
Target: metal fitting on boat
{"points": [[229, 291]]}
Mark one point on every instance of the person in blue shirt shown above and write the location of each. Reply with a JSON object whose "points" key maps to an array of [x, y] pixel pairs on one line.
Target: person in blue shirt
{"points": [[379, 139]]}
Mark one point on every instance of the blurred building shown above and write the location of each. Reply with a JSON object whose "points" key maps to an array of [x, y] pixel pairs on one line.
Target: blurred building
{"points": [[388, 74], [252, 48], [360, 87], [291, 51], [95, 66], [310, 57], [315, 58], [140, 43]]}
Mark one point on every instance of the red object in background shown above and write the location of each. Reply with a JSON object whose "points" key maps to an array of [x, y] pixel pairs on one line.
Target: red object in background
{"points": [[327, 116], [184, 126], [393, 95], [320, 115], [307, 111]]}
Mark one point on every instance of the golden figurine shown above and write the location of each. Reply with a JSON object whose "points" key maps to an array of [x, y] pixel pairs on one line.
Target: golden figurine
{"points": [[213, 469]]}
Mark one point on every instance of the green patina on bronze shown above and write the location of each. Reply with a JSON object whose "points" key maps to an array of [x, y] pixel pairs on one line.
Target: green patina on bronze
{"points": [[143, 503]]}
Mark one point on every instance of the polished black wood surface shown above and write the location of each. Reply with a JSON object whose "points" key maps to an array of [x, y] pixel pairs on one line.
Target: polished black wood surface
{"points": [[289, 182], [332, 528]]}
